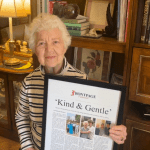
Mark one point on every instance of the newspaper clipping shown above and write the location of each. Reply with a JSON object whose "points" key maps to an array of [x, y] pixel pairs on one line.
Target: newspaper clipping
{"points": [[79, 116]]}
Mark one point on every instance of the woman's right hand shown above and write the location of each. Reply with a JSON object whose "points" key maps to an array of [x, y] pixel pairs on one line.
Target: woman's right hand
{"points": [[31, 148]]}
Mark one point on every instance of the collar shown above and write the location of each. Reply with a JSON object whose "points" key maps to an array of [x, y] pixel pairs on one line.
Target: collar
{"points": [[62, 70]]}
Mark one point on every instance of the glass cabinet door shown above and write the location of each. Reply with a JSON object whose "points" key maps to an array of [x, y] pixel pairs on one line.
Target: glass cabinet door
{"points": [[4, 105], [15, 81], [16, 87]]}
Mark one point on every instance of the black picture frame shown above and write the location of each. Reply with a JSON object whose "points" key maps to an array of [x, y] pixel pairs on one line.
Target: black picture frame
{"points": [[69, 80]]}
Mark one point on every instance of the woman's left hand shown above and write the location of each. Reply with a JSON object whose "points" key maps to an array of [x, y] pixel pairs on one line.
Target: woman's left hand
{"points": [[118, 133]]}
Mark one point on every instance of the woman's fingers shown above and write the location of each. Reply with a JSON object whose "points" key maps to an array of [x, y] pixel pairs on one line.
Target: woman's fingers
{"points": [[117, 139], [118, 134]]}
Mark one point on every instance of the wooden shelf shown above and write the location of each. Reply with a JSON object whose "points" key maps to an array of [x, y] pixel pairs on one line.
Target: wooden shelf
{"points": [[140, 45], [103, 43], [135, 115]]}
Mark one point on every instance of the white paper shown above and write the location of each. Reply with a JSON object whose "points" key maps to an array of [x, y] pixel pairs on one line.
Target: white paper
{"points": [[72, 103]]}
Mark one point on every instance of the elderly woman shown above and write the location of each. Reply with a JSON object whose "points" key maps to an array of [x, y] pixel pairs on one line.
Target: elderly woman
{"points": [[49, 39], [90, 131], [83, 130]]}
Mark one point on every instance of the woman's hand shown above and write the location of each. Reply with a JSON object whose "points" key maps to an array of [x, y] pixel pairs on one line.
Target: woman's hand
{"points": [[118, 133], [31, 148]]}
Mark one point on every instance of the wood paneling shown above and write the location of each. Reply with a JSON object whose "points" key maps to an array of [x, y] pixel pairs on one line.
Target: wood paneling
{"points": [[138, 136], [140, 76]]}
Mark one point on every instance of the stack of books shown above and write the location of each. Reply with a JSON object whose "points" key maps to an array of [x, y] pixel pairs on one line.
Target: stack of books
{"points": [[122, 19], [77, 27], [145, 30]]}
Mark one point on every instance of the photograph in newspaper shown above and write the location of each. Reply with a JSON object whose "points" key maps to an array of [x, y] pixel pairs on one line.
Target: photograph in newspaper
{"points": [[73, 124], [87, 127], [102, 127], [78, 114]]}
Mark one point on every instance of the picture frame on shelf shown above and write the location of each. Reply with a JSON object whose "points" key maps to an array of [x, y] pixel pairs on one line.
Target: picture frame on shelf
{"points": [[95, 63], [95, 10]]}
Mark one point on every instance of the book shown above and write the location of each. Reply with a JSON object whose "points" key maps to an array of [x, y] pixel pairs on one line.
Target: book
{"points": [[118, 18], [78, 33], [77, 28], [73, 20], [51, 5], [127, 21], [77, 24], [147, 39], [46, 2], [40, 6], [140, 14], [123, 13], [148, 27], [145, 21]]}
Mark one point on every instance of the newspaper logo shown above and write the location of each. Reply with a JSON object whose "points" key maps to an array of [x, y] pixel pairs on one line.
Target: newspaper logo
{"points": [[82, 95], [73, 92]]}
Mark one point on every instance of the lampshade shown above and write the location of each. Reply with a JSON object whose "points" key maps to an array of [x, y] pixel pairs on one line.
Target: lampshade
{"points": [[12, 8], [27, 6]]}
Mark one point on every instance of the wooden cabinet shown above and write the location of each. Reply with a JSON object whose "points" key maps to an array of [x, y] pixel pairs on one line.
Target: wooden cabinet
{"points": [[4, 103], [8, 101], [140, 76], [138, 136], [10, 82], [138, 83]]}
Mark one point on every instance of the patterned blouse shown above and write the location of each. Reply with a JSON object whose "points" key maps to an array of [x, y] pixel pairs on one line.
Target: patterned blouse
{"points": [[30, 107]]}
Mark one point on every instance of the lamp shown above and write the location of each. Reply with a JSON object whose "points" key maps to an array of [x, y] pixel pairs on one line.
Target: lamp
{"points": [[27, 6], [14, 8]]}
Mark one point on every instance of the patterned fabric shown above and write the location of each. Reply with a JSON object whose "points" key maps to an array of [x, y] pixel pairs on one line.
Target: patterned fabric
{"points": [[30, 107]]}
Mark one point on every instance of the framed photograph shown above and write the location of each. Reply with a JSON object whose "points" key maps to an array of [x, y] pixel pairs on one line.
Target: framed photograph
{"points": [[72, 107], [95, 10], [95, 63]]}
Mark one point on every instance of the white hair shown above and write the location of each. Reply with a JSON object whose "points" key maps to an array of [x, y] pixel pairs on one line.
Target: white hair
{"points": [[85, 122], [47, 22]]}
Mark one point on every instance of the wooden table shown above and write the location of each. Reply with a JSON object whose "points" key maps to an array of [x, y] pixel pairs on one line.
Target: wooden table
{"points": [[9, 78]]}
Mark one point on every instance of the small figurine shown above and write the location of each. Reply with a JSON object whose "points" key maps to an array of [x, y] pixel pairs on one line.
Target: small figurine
{"points": [[17, 47], [111, 29], [24, 47], [92, 33], [7, 45], [19, 42]]}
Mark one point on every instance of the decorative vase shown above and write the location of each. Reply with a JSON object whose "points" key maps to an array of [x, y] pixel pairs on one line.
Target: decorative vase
{"points": [[71, 11]]}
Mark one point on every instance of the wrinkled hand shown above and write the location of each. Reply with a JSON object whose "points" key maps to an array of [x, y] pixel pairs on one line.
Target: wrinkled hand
{"points": [[118, 133], [31, 148]]}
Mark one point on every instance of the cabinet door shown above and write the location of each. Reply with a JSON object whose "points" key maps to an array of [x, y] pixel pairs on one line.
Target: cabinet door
{"points": [[138, 137], [5, 121], [140, 76], [14, 88]]}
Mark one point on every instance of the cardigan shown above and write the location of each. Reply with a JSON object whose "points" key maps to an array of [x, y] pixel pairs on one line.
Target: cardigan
{"points": [[30, 106]]}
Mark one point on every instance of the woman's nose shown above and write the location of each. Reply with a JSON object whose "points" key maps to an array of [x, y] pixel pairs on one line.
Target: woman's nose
{"points": [[50, 47]]}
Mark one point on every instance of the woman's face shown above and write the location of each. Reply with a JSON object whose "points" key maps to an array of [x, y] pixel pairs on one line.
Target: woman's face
{"points": [[85, 125], [50, 48]]}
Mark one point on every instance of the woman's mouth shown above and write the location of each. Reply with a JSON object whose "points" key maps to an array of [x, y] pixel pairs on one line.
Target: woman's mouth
{"points": [[50, 57]]}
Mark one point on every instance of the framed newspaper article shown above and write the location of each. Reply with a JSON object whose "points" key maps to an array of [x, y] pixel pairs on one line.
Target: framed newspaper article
{"points": [[73, 106]]}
